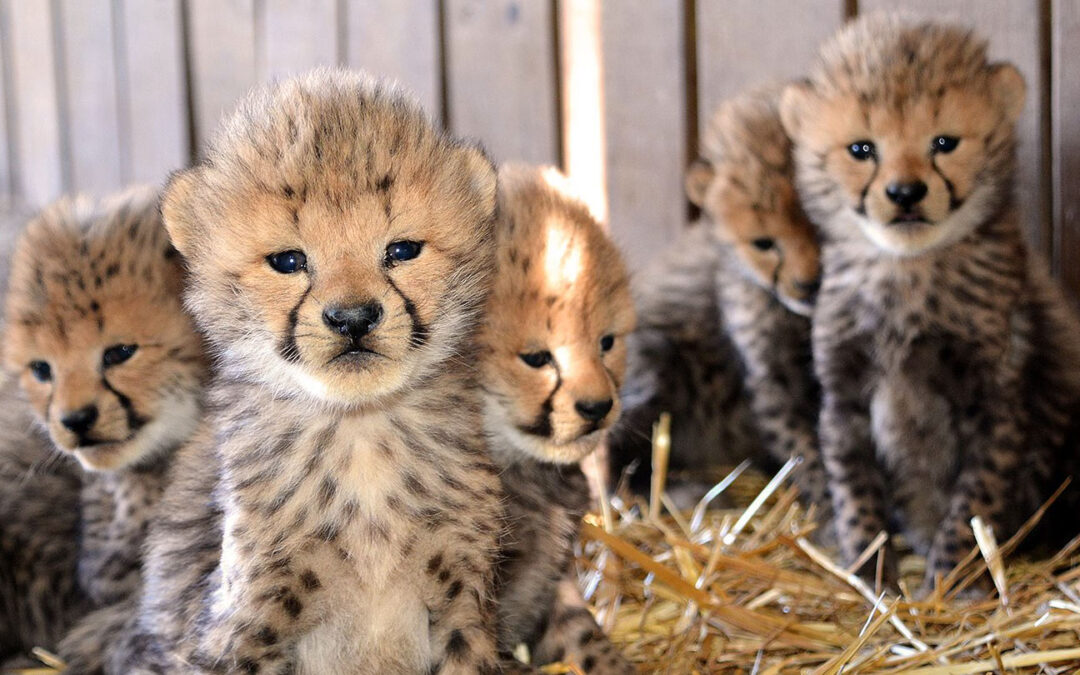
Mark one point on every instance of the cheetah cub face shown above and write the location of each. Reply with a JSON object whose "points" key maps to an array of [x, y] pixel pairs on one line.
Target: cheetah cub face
{"points": [[327, 242], [96, 332], [916, 158], [556, 321], [744, 183]]}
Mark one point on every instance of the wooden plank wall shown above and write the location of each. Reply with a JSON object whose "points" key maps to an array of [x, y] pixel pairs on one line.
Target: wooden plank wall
{"points": [[99, 93]]}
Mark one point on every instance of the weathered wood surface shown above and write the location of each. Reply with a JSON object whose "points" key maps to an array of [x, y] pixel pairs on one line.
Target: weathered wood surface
{"points": [[99, 93]]}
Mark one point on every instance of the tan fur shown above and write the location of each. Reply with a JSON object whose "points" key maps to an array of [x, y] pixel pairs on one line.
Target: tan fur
{"points": [[723, 337], [949, 362], [743, 182], [561, 289], [549, 246], [860, 92], [87, 276], [338, 513]]}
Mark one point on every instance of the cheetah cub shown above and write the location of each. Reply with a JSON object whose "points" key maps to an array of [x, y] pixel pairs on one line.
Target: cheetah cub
{"points": [[113, 370], [554, 356], [949, 362], [339, 513], [723, 341]]}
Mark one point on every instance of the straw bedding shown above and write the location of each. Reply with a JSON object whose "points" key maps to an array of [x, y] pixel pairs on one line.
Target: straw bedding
{"points": [[743, 589], [718, 590]]}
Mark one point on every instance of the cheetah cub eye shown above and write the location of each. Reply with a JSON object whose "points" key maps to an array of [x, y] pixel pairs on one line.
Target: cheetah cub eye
{"points": [[288, 262], [607, 342], [536, 359], [41, 371], [862, 150], [400, 251], [943, 145], [763, 243], [117, 354]]}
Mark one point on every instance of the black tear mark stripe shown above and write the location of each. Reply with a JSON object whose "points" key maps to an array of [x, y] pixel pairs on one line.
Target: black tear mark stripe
{"points": [[861, 210], [288, 348], [134, 419], [420, 331], [542, 425], [954, 201]]}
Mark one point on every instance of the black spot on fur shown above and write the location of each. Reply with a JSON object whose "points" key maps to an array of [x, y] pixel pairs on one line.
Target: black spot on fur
{"points": [[457, 646], [434, 563]]}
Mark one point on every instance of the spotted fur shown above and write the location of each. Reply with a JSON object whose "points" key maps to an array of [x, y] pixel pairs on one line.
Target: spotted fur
{"points": [[949, 362], [561, 291], [337, 513], [89, 277], [723, 342], [40, 597]]}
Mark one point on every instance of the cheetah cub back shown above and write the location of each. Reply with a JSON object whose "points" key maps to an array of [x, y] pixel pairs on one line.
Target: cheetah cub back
{"points": [[339, 513], [723, 341], [949, 362], [553, 361], [112, 368]]}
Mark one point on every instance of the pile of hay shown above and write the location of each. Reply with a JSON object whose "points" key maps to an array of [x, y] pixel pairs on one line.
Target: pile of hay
{"points": [[745, 590]]}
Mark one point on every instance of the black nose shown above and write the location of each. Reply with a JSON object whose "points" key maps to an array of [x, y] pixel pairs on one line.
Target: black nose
{"points": [[594, 411], [809, 288], [354, 322], [80, 421], [906, 195]]}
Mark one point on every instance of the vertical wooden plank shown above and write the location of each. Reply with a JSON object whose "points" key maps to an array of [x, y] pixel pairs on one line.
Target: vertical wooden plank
{"points": [[5, 131], [299, 35], [398, 39], [1065, 67], [746, 43], [645, 119], [89, 73], [582, 82], [1013, 28], [501, 71], [222, 56], [153, 88], [36, 107]]}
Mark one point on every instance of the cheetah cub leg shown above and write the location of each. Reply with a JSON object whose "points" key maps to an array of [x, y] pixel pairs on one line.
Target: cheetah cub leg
{"points": [[856, 480], [573, 635], [982, 487], [461, 617]]}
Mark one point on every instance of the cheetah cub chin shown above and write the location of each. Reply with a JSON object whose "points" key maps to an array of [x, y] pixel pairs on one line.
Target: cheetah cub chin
{"points": [[339, 513], [723, 341], [948, 360], [113, 370], [554, 357]]}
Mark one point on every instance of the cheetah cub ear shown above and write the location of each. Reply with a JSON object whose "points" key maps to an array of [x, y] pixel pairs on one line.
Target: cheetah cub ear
{"points": [[796, 101], [1008, 88], [481, 174], [177, 209], [698, 176]]}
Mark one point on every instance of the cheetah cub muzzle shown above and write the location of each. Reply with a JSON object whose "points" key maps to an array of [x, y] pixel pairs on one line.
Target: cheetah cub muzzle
{"points": [[554, 357], [339, 513], [948, 360]]}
